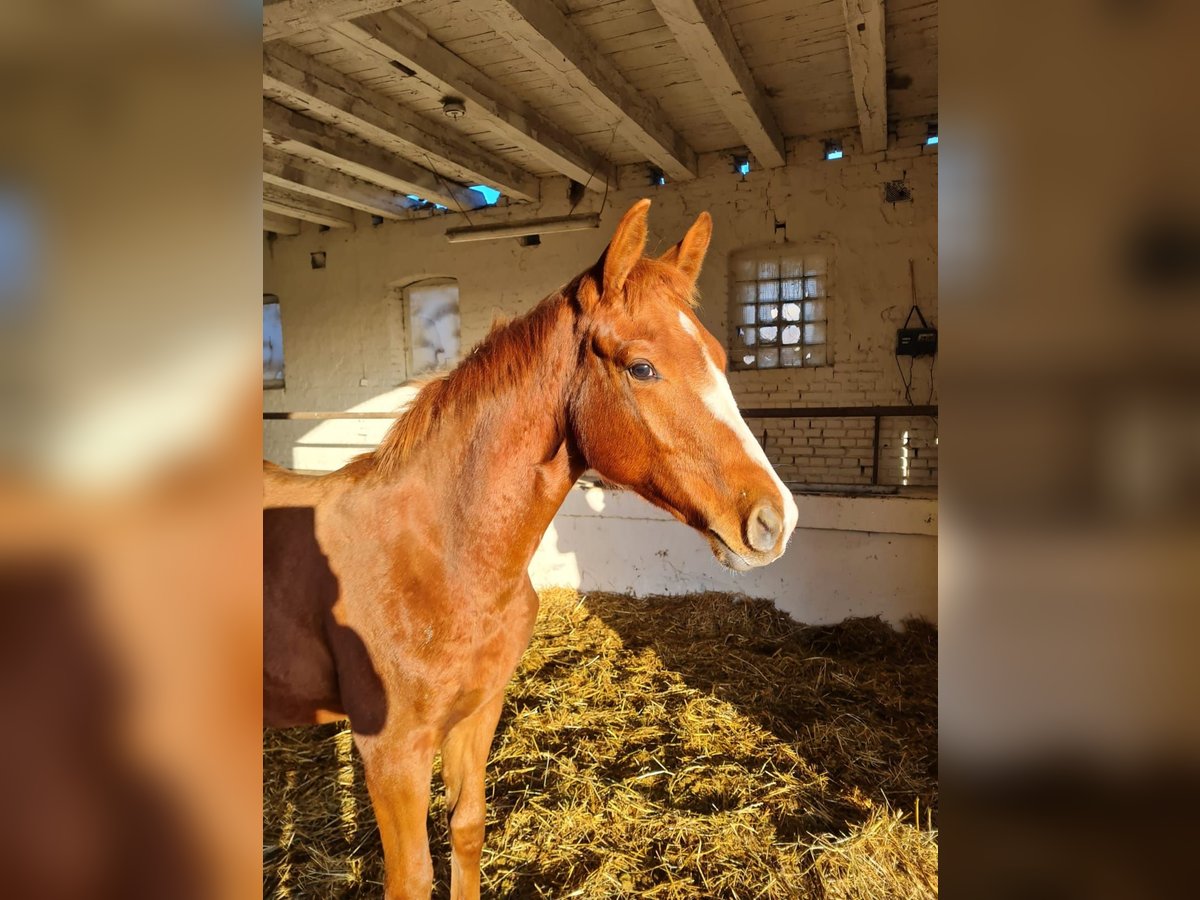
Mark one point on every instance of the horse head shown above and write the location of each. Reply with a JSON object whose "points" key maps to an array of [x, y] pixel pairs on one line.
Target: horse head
{"points": [[652, 409]]}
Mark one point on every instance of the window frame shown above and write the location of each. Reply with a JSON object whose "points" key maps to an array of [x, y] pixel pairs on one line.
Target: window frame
{"points": [[281, 383], [407, 321], [813, 261]]}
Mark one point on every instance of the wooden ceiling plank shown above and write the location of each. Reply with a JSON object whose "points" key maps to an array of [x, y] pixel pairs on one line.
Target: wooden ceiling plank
{"points": [[284, 225], [301, 136], [868, 68], [301, 206], [542, 33], [398, 38], [305, 177], [292, 75], [704, 35], [284, 18]]}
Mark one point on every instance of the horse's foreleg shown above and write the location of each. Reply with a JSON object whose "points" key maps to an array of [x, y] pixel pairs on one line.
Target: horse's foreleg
{"points": [[464, 759], [398, 779]]}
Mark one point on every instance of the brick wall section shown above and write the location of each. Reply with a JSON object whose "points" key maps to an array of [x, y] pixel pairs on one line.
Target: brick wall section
{"points": [[838, 451], [818, 451], [870, 296], [913, 462]]}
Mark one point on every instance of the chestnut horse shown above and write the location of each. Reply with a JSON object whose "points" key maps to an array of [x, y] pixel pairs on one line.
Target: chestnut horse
{"points": [[396, 589]]}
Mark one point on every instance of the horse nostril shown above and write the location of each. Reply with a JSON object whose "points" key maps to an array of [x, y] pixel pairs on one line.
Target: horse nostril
{"points": [[764, 527]]}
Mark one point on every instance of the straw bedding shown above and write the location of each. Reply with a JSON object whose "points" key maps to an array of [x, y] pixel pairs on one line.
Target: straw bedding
{"points": [[683, 747]]}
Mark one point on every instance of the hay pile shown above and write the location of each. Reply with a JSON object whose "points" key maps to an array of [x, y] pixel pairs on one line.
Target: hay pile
{"points": [[686, 747]]}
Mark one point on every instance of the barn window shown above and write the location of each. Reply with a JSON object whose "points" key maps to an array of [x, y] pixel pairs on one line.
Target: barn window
{"points": [[779, 310], [272, 343], [432, 324]]}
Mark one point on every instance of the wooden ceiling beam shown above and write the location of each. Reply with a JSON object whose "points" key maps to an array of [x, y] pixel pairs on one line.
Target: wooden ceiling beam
{"points": [[283, 18], [539, 31], [309, 209], [706, 38], [397, 37], [284, 225], [868, 68], [331, 96], [307, 138], [305, 177]]}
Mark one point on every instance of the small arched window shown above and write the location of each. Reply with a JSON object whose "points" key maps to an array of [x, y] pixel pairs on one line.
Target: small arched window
{"points": [[432, 325], [272, 343]]}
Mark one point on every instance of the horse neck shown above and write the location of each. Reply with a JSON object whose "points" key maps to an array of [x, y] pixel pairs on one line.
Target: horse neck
{"points": [[505, 459]]}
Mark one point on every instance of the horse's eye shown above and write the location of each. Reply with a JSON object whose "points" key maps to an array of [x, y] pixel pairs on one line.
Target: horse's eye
{"points": [[642, 371]]}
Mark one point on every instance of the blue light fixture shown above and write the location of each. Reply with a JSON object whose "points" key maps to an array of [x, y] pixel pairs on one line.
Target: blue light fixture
{"points": [[741, 165], [833, 149], [931, 136]]}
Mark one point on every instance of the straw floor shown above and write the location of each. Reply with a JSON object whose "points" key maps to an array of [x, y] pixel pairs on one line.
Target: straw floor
{"points": [[685, 747]]}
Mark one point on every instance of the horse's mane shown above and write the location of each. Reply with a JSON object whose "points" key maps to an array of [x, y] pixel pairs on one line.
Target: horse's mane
{"points": [[498, 361], [502, 358]]}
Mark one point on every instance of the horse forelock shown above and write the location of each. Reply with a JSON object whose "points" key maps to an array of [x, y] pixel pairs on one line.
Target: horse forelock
{"points": [[652, 280]]}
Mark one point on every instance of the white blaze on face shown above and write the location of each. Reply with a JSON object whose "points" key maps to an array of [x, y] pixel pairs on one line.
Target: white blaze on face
{"points": [[718, 398]]}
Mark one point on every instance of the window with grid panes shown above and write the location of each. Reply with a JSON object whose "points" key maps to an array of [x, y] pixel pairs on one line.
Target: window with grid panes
{"points": [[779, 312]]}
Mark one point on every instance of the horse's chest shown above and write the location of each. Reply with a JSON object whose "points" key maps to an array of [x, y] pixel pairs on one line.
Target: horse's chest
{"points": [[451, 658], [486, 649]]}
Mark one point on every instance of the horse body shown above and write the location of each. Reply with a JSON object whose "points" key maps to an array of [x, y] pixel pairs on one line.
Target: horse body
{"points": [[396, 590]]}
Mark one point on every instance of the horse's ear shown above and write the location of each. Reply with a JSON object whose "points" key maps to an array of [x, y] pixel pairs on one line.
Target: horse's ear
{"points": [[688, 254], [626, 248]]}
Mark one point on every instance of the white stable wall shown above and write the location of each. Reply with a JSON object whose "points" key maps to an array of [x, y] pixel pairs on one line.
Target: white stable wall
{"points": [[849, 556]]}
